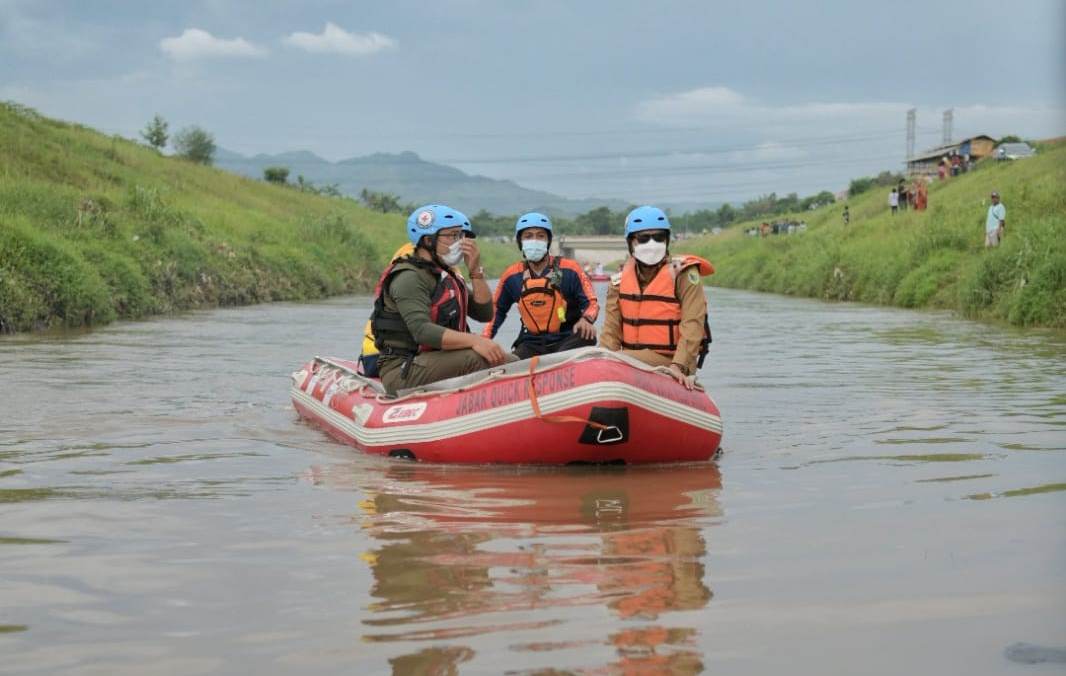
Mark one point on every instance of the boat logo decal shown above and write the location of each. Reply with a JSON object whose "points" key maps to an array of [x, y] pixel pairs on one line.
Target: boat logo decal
{"points": [[360, 413], [404, 413]]}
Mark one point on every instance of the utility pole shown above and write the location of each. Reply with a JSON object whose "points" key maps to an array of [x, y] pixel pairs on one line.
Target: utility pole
{"points": [[911, 124], [949, 119]]}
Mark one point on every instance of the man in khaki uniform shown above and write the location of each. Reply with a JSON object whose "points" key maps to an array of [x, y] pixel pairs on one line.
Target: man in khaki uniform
{"points": [[656, 310]]}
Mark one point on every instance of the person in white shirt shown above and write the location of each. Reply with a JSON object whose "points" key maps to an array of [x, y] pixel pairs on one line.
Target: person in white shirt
{"points": [[995, 222], [893, 200]]}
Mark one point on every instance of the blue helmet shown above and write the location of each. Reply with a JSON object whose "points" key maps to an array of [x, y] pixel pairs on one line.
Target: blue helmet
{"points": [[468, 230], [646, 218], [432, 218], [532, 220]]}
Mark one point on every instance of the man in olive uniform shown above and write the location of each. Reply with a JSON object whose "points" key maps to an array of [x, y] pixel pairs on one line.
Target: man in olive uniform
{"points": [[421, 306]]}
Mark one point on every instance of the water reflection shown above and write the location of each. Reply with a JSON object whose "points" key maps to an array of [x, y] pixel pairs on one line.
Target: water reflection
{"points": [[464, 552]]}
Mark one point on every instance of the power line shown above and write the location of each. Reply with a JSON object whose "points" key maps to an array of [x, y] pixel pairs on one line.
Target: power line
{"points": [[714, 150], [608, 173]]}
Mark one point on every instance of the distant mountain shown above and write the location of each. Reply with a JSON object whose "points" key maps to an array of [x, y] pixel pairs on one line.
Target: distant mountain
{"points": [[415, 180]]}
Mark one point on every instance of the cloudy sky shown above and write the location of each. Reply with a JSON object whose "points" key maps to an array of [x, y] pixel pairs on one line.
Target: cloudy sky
{"points": [[670, 101]]}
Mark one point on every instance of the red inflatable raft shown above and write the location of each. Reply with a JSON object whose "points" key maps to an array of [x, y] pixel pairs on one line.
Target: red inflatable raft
{"points": [[581, 406]]}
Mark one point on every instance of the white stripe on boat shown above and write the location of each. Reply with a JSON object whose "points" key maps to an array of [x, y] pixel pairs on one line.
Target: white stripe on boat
{"points": [[516, 412]]}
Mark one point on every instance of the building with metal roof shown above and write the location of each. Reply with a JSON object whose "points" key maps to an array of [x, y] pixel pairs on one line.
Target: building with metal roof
{"points": [[925, 163]]}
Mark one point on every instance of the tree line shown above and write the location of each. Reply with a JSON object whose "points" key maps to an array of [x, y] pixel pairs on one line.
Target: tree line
{"points": [[604, 221]]}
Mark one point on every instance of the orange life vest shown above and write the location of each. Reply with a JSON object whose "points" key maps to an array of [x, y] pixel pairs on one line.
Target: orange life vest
{"points": [[651, 317], [541, 304]]}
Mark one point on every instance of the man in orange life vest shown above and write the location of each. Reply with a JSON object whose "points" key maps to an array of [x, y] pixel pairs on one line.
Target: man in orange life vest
{"points": [[555, 298], [421, 306], [655, 309]]}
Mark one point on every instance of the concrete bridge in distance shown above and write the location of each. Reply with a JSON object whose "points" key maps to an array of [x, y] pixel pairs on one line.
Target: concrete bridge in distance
{"points": [[591, 248]]}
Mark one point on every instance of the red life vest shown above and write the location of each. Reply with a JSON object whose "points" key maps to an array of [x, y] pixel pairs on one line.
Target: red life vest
{"points": [[541, 304], [448, 307], [651, 317]]}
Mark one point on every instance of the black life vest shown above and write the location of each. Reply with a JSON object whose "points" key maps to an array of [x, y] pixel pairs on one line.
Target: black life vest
{"points": [[448, 307]]}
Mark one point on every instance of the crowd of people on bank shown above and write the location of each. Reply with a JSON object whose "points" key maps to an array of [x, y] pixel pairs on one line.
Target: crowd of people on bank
{"points": [[914, 196], [780, 227], [953, 164], [655, 310]]}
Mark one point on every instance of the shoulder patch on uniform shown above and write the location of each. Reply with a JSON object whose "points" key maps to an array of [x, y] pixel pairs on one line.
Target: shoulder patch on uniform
{"points": [[616, 279], [693, 275]]}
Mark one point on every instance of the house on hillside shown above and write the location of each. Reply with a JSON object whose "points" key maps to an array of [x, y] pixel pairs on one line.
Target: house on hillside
{"points": [[1014, 151], [925, 163]]}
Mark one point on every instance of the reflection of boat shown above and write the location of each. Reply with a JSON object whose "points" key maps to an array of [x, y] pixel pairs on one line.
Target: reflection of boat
{"points": [[559, 560], [540, 499], [462, 541], [585, 405]]}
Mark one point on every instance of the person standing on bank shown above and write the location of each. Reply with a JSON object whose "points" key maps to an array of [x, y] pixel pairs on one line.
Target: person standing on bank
{"points": [[421, 306], [555, 298], [656, 310], [995, 222]]}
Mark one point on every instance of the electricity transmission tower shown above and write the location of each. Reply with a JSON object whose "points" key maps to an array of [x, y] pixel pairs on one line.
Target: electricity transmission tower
{"points": [[911, 120], [949, 119]]}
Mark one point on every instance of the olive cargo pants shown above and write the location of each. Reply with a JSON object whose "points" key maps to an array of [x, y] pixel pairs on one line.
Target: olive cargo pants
{"points": [[428, 367]]}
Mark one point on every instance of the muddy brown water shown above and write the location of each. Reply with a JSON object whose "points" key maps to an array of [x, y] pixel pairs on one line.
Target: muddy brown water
{"points": [[890, 500]]}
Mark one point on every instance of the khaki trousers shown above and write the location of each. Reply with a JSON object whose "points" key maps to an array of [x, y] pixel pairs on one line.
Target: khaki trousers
{"points": [[428, 367]]}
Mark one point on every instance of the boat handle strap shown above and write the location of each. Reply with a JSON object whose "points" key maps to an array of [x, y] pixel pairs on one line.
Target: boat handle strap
{"points": [[555, 418]]}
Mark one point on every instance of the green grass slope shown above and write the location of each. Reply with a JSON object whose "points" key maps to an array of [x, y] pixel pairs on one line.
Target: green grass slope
{"points": [[930, 259], [94, 228]]}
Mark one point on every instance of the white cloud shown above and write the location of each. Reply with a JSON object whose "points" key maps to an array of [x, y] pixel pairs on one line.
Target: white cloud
{"points": [[728, 112], [199, 44], [336, 40], [695, 102]]}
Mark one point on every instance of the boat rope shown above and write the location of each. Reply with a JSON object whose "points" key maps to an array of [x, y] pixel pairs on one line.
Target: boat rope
{"points": [[490, 375], [554, 418]]}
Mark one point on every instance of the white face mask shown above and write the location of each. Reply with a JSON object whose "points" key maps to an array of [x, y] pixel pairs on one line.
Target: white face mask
{"points": [[649, 253], [455, 253], [534, 249]]}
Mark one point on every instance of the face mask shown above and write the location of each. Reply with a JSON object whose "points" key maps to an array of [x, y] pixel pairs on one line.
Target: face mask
{"points": [[455, 253], [649, 253], [534, 249]]}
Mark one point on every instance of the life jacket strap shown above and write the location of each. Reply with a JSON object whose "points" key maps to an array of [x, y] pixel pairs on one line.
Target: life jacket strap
{"points": [[639, 297], [637, 321]]}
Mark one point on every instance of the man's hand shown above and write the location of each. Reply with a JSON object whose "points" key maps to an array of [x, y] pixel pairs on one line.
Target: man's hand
{"points": [[585, 329], [489, 351], [471, 254], [679, 375]]}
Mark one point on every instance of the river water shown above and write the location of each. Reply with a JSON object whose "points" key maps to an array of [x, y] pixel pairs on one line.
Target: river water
{"points": [[890, 500]]}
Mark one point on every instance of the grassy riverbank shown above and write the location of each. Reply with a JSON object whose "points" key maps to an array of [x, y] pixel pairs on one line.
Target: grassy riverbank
{"points": [[930, 259], [95, 228]]}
